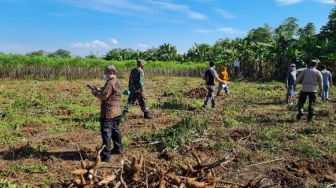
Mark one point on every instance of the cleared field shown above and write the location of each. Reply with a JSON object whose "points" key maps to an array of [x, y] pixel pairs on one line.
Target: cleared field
{"points": [[43, 122]]}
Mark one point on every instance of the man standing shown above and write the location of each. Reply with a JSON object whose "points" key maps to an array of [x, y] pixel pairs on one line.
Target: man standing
{"points": [[290, 82], [311, 78], [210, 77], [327, 83], [110, 112], [136, 89]]}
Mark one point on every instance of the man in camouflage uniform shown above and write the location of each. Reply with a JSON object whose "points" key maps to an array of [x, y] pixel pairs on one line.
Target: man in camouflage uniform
{"points": [[136, 89], [110, 113]]}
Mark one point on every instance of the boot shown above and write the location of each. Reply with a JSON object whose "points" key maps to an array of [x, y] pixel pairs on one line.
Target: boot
{"points": [[298, 116], [310, 118], [147, 115], [213, 104]]}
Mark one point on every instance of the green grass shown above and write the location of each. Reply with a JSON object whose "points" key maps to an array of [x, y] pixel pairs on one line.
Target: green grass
{"points": [[23, 168], [39, 111]]}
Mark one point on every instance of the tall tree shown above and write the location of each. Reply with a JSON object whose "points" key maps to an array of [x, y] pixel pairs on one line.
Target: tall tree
{"points": [[286, 50], [60, 53], [166, 52]]}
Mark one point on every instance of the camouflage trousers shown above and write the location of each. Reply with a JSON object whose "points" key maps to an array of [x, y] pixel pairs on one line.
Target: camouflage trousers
{"points": [[136, 97]]}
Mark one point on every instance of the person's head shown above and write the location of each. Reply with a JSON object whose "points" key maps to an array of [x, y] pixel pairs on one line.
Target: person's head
{"points": [[110, 72], [313, 63], [212, 64], [323, 67], [141, 63], [292, 66], [224, 68]]}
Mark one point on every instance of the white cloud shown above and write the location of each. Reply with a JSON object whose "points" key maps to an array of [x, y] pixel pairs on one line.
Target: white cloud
{"points": [[109, 6], [183, 9], [224, 13], [143, 46], [227, 30], [326, 1], [135, 7], [288, 2], [114, 41], [96, 44]]}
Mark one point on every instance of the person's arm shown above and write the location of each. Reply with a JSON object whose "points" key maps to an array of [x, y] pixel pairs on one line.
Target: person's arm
{"points": [[299, 78], [320, 82], [141, 81], [215, 74], [104, 93], [286, 79], [219, 80], [130, 80]]}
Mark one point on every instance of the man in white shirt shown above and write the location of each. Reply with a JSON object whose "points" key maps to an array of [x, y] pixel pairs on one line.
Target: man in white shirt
{"points": [[311, 78], [327, 83]]}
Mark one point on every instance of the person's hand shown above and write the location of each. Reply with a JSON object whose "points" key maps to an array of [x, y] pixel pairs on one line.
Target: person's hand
{"points": [[320, 92], [92, 87]]}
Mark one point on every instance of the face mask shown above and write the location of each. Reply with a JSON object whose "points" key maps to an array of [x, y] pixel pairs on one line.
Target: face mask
{"points": [[105, 77]]}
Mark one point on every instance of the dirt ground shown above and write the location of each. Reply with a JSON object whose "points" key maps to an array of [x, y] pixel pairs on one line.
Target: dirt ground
{"points": [[46, 125]]}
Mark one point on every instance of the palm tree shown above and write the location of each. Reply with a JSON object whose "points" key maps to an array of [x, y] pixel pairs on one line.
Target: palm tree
{"points": [[166, 52]]}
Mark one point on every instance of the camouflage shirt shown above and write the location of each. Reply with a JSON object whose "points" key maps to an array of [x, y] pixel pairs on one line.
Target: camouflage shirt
{"points": [[110, 96], [136, 80]]}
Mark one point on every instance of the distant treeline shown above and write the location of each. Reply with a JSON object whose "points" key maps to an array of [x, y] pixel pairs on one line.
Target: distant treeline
{"points": [[264, 53]]}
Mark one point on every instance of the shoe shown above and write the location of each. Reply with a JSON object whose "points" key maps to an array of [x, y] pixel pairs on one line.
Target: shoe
{"points": [[105, 159], [298, 116], [116, 152], [310, 118], [147, 115]]}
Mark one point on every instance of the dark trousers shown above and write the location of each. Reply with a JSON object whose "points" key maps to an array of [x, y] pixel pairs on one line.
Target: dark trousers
{"points": [[136, 97], [302, 100], [110, 132], [210, 96]]}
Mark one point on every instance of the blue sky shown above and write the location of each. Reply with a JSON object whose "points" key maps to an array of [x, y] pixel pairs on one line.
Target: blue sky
{"points": [[84, 26]]}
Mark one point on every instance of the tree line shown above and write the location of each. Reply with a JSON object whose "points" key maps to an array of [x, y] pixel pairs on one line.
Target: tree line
{"points": [[264, 53]]}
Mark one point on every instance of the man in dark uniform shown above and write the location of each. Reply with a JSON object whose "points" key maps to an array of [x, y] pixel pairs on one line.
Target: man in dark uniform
{"points": [[110, 112], [210, 77], [136, 89]]}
